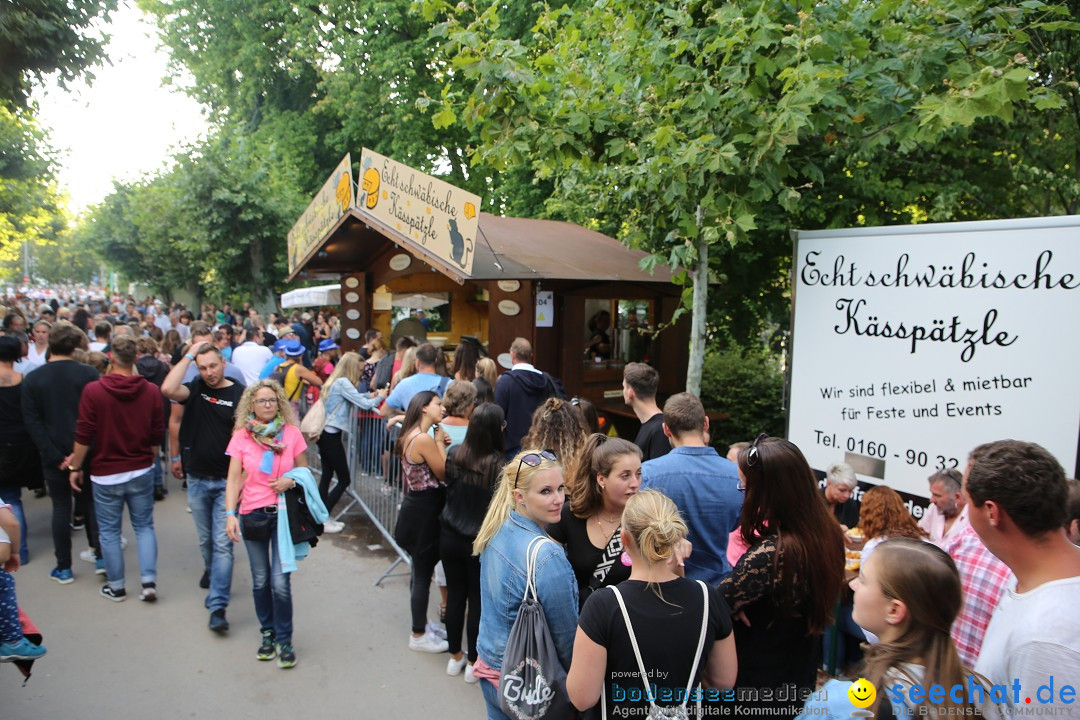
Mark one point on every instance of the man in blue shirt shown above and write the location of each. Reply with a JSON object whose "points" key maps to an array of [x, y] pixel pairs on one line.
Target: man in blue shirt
{"points": [[424, 379], [702, 484]]}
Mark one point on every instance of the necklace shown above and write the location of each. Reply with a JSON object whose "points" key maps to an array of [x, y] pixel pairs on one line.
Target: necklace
{"points": [[600, 521]]}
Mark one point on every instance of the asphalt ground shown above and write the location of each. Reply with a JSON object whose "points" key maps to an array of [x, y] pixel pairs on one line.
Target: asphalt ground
{"points": [[140, 660]]}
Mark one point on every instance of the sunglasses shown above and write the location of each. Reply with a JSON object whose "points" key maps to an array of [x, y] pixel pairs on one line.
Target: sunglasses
{"points": [[752, 455], [533, 460]]}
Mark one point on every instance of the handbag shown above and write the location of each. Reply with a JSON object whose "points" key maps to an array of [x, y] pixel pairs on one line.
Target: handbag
{"points": [[314, 421], [675, 712], [533, 681], [257, 526]]}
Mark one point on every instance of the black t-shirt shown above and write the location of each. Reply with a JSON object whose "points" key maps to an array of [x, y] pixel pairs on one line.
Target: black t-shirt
{"points": [[667, 632], [651, 438], [573, 533], [207, 427]]}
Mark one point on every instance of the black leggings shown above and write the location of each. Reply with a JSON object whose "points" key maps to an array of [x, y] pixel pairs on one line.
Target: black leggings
{"points": [[332, 453], [417, 532], [462, 570]]}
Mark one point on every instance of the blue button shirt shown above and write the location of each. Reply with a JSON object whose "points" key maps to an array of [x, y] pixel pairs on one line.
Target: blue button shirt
{"points": [[704, 486]]}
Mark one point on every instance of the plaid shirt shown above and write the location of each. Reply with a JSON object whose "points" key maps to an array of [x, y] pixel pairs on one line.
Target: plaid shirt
{"points": [[984, 579]]}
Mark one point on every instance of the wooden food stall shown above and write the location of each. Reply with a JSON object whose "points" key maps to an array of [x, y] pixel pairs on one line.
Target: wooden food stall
{"points": [[579, 296]]}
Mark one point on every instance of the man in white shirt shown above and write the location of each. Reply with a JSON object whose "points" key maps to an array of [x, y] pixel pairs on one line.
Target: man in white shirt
{"points": [[947, 514], [251, 356], [1017, 496]]}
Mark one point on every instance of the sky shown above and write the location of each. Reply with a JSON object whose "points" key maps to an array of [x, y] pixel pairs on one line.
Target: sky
{"points": [[127, 122]]}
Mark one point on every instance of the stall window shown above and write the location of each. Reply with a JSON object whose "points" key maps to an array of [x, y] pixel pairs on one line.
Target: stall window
{"points": [[616, 332]]}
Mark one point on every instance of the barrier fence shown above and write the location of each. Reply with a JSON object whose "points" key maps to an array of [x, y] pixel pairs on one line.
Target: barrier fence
{"points": [[375, 475]]}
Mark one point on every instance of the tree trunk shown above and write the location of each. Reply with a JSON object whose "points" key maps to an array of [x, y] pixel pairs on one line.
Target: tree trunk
{"points": [[697, 317]]}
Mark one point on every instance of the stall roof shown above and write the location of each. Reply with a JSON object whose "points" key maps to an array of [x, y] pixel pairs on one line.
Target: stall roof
{"points": [[506, 248]]}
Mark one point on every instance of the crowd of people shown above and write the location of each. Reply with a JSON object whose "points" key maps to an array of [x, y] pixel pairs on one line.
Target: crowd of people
{"points": [[670, 576]]}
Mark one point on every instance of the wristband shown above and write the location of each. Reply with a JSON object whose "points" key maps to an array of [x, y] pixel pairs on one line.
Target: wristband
{"points": [[74, 469], [175, 459], [190, 357], [230, 512]]}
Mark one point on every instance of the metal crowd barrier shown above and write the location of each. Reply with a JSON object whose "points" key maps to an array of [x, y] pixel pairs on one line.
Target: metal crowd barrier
{"points": [[376, 478]]}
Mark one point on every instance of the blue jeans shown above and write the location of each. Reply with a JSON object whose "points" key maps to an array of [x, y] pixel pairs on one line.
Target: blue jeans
{"points": [[206, 498], [270, 586], [491, 700], [13, 497], [109, 503]]}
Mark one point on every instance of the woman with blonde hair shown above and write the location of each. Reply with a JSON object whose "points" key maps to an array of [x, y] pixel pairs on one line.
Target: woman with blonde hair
{"points": [[608, 473], [654, 625], [908, 595], [266, 444], [486, 368], [560, 427], [340, 396], [529, 497]]}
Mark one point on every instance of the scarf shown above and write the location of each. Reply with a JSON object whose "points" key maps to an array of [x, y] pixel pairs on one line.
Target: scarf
{"points": [[266, 434]]}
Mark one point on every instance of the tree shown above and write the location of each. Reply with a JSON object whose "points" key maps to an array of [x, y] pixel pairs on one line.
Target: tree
{"points": [[683, 119], [41, 37]]}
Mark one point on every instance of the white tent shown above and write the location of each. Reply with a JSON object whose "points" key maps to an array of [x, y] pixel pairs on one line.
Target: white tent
{"points": [[312, 296]]}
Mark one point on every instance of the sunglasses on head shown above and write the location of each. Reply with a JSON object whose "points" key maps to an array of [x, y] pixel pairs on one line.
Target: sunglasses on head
{"points": [[533, 460], [752, 455]]}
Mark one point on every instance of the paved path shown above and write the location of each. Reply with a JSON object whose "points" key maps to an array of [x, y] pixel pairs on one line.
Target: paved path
{"points": [[137, 660]]}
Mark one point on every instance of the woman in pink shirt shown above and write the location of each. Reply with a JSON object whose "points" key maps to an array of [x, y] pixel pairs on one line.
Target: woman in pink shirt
{"points": [[266, 444]]}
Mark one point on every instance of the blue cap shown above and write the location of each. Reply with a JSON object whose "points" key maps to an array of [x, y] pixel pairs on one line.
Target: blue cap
{"points": [[328, 344], [293, 348], [281, 345]]}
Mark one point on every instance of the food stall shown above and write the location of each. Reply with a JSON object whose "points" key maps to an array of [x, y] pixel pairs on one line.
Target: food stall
{"points": [[579, 296]]}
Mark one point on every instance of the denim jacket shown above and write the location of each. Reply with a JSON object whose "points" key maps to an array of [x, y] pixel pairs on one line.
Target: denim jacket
{"points": [[339, 400], [502, 587]]}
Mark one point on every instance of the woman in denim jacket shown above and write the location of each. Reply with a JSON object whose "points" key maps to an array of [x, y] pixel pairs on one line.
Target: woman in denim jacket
{"points": [[529, 497], [341, 399]]}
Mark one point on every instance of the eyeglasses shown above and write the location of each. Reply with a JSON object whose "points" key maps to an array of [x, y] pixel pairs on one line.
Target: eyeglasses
{"points": [[266, 401], [752, 455], [533, 460]]}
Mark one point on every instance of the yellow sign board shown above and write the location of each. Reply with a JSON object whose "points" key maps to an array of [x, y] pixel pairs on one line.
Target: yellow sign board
{"points": [[332, 201], [429, 212]]}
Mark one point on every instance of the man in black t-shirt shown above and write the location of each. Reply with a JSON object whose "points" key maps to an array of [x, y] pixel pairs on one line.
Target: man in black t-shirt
{"points": [[210, 401], [639, 392]]}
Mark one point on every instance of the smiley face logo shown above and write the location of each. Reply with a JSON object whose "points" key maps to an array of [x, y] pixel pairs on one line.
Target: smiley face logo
{"points": [[371, 187], [861, 693]]}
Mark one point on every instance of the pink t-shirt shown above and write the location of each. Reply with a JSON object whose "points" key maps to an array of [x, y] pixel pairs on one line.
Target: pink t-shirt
{"points": [[257, 492]]}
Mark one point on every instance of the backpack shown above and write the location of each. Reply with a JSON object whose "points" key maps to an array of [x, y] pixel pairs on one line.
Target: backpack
{"points": [[314, 421], [280, 375], [533, 682], [676, 712]]}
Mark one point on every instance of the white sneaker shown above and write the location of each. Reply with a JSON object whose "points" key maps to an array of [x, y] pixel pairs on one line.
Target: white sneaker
{"points": [[88, 555], [454, 667], [470, 674], [437, 630], [333, 526], [427, 643]]}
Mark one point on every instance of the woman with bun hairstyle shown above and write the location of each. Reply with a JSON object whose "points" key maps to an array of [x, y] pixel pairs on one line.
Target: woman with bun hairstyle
{"points": [[908, 595], [529, 497], [608, 474], [664, 616], [784, 589]]}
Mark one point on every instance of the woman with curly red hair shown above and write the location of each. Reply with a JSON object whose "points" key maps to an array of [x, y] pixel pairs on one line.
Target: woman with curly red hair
{"points": [[885, 517]]}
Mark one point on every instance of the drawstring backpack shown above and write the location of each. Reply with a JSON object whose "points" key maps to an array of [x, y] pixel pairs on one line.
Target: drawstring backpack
{"points": [[675, 712], [533, 682]]}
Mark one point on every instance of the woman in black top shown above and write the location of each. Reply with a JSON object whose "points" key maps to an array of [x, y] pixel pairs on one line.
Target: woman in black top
{"points": [[665, 613], [607, 474], [785, 587], [20, 465], [472, 472]]}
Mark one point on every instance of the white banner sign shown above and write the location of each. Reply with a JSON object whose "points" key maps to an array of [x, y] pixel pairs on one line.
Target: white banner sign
{"points": [[429, 212], [545, 308], [912, 345]]}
